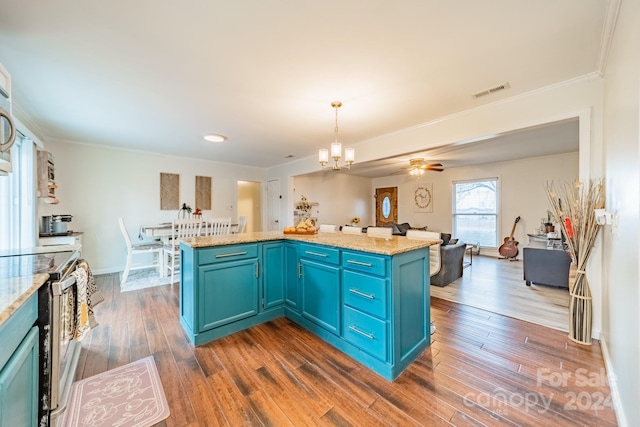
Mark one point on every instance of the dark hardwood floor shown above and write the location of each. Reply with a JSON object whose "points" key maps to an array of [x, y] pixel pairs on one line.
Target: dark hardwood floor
{"points": [[481, 369]]}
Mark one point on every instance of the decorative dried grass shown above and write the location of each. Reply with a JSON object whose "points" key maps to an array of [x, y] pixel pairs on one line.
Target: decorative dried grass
{"points": [[577, 202]]}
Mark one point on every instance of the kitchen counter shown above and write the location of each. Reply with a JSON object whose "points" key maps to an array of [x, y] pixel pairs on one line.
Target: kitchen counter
{"points": [[15, 291], [392, 246], [367, 296]]}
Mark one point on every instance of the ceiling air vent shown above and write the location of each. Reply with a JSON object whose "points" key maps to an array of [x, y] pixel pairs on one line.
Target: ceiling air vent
{"points": [[492, 90]]}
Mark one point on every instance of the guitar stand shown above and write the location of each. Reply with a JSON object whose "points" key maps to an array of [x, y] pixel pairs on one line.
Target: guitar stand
{"points": [[511, 258]]}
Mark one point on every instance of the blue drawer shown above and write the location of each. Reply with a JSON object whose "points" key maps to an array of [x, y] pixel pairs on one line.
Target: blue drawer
{"points": [[320, 253], [227, 253], [365, 332], [371, 264], [364, 292]]}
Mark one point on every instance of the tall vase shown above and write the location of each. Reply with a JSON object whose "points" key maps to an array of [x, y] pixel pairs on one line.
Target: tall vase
{"points": [[580, 309]]}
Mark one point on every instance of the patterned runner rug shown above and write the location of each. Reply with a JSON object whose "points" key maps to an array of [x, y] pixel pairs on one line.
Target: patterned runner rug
{"points": [[141, 279], [128, 396]]}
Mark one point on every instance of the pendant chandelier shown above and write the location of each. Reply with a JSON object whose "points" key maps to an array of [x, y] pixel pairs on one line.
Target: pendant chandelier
{"points": [[336, 148]]}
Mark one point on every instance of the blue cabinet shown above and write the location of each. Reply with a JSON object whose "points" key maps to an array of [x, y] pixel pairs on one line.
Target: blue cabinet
{"points": [[292, 276], [366, 308], [19, 364], [219, 290], [320, 285], [274, 274], [237, 282]]}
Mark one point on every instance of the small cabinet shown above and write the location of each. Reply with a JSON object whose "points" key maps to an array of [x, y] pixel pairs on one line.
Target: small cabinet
{"points": [[19, 384], [292, 276], [365, 297], [219, 286], [274, 274], [320, 283], [19, 367], [238, 282]]}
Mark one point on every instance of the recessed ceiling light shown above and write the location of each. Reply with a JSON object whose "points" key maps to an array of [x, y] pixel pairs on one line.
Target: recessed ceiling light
{"points": [[212, 137]]}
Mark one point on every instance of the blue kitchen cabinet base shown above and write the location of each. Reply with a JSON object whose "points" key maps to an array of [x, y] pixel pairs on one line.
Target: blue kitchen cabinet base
{"points": [[374, 308], [19, 384]]}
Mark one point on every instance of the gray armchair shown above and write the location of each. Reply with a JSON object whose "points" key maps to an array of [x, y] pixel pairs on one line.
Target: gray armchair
{"points": [[451, 257]]}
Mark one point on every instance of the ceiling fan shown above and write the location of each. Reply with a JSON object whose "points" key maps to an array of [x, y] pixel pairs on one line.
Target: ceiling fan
{"points": [[418, 166]]}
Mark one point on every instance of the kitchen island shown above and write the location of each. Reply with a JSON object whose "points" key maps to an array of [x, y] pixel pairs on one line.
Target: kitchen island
{"points": [[368, 297]]}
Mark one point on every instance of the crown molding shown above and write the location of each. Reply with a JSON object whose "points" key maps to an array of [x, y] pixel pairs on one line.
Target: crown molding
{"points": [[608, 31]]}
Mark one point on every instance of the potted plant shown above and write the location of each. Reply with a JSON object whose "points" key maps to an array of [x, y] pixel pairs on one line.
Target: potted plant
{"points": [[548, 225]]}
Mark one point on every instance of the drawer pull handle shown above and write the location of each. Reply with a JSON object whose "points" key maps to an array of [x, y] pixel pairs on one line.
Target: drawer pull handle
{"points": [[366, 264], [316, 254], [362, 294], [358, 331], [299, 270], [231, 254]]}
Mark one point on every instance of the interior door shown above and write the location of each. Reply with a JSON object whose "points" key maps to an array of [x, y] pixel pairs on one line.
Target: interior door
{"points": [[386, 206], [273, 205]]}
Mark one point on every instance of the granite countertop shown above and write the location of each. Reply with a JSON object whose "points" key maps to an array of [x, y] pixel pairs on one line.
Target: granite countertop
{"points": [[15, 291], [378, 245]]}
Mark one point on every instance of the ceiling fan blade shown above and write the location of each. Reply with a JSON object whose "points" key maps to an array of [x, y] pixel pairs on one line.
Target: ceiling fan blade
{"points": [[434, 169]]}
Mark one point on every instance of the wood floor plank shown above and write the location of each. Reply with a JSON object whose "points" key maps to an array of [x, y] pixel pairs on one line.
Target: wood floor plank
{"points": [[177, 393], [278, 373], [201, 396]]}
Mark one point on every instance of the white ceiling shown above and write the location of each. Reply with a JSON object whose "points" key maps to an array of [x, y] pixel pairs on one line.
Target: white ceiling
{"points": [[156, 76]]}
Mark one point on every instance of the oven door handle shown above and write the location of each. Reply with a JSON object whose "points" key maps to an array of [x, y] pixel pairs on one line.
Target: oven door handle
{"points": [[58, 288]]}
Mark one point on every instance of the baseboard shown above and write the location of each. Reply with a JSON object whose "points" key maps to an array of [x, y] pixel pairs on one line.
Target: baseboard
{"points": [[613, 383], [105, 270]]}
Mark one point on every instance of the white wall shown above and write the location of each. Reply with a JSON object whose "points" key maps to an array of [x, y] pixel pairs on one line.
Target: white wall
{"points": [[621, 319], [521, 192], [250, 204], [340, 197], [97, 185], [581, 98]]}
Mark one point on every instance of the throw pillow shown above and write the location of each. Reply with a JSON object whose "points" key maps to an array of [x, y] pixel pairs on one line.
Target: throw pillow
{"points": [[446, 237], [404, 227], [453, 241]]}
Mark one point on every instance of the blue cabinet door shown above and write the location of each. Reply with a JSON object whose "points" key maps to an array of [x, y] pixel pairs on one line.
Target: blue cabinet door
{"points": [[321, 294], [228, 292], [19, 384], [273, 275], [292, 275]]}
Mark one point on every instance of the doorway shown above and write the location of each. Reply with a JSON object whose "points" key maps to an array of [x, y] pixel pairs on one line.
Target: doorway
{"points": [[386, 206], [250, 204]]}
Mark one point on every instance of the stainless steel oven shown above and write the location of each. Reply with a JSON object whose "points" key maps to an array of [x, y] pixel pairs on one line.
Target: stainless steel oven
{"points": [[58, 356]]}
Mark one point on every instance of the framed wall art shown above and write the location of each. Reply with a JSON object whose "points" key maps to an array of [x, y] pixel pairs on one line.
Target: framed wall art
{"points": [[169, 191], [203, 193], [423, 197]]}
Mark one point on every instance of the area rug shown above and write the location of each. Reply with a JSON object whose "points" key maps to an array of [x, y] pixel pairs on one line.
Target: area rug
{"points": [[141, 279], [128, 396]]}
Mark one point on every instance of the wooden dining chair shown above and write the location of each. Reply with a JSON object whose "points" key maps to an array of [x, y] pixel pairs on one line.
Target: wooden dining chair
{"points": [[180, 229], [434, 250], [217, 226], [242, 223], [142, 248], [347, 229], [379, 232], [327, 228]]}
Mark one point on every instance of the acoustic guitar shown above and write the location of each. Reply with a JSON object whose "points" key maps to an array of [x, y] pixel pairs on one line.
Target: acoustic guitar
{"points": [[509, 249]]}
